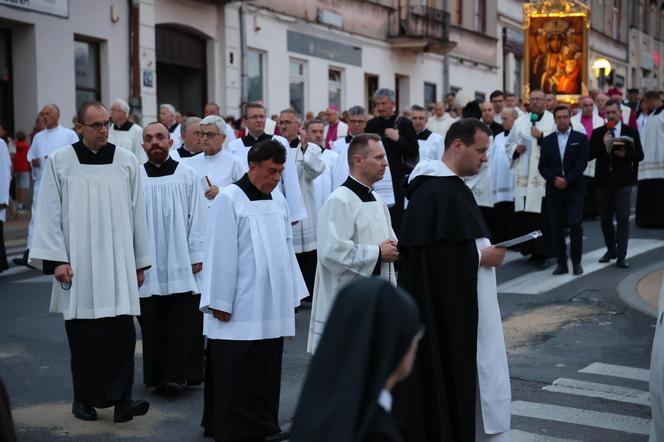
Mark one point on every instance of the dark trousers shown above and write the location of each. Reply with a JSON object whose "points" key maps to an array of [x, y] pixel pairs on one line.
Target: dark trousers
{"points": [[566, 212], [308, 262], [3, 255], [614, 202]]}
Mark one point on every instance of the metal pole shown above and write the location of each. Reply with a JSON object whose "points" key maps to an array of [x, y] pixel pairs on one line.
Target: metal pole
{"points": [[244, 84], [446, 58]]}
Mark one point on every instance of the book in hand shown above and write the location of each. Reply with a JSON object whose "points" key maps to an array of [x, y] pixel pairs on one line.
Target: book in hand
{"points": [[621, 142], [521, 239]]}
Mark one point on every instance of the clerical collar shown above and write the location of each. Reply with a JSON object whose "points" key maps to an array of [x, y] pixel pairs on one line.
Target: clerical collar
{"points": [[424, 135], [125, 126], [506, 132], [295, 142], [363, 192], [658, 110], [184, 153], [87, 156], [250, 190], [249, 140], [348, 139], [166, 168], [172, 128], [385, 400]]}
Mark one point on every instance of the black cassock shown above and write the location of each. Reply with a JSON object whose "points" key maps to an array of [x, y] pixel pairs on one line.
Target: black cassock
{"points": [[439, 264]]}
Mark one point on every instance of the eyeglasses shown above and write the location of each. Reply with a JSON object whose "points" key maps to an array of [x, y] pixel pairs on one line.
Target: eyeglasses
{"points": [[98, 125], [208, 134]]}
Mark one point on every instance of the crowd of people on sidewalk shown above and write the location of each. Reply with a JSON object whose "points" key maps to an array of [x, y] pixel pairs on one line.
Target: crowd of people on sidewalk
{"points": [[214, 234]]}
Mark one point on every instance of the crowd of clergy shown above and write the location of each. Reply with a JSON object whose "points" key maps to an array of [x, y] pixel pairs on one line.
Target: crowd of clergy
{"points": [[214, 239]]}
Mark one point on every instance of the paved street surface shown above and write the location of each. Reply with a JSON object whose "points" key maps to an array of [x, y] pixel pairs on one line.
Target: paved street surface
{"points": [[578, 356]]}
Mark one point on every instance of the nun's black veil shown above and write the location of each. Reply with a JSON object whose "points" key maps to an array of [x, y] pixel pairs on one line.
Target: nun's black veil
{"points": [[368, 332]]}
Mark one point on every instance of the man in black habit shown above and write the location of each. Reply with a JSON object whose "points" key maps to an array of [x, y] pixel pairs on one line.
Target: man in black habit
{"points": [[91, 235], [400, 142], [460, 383]]}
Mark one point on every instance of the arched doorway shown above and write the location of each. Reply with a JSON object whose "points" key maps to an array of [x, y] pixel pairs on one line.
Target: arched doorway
{"points": [[181, 69]]}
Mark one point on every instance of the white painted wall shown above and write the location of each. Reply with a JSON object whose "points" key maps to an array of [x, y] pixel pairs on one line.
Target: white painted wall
{"points": [[43, 56]]}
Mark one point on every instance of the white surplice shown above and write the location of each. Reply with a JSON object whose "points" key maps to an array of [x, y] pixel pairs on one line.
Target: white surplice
{"points": [[44, 144], [5, 177], [332, 177], [652, 166], [349, 235], [250, 268], [529, 187], [176, 136], [342, 130], [502, 176], [481, 184], [440, 125], [431, 148], [289, 185], [222, 168], [175, 207], [492, 371], [310, 166], [383, 187], [93, 217], [131, 139]]}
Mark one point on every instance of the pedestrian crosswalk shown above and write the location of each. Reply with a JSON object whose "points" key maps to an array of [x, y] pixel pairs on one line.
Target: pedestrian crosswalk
{"points": [[538, 282], [581, 393]]}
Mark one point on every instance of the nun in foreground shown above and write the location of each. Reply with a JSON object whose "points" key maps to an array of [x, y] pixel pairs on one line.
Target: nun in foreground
{"points": [[368, 346]]}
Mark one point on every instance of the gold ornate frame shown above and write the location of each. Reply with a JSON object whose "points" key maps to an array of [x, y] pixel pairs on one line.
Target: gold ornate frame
{"points": [[556, 9]]}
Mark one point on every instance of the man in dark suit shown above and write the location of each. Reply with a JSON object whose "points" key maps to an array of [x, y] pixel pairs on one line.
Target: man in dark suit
{"points": [[615, 174], [563, 158]]}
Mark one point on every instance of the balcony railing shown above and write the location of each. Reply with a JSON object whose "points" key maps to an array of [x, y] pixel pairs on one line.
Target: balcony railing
{"points": [[420, 22]]}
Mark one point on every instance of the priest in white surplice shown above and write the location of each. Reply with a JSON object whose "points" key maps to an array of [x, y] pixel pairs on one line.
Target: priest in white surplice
{"points": [[502, 178], [310, 166], [336, 167], [357, 122], [217, 165], [253, 118], [44, 144], [431, 143], [440, 121], [355, 236], [123, 133], [190, 131], [529, 186], [212, 108], [251, 286], [167, 118], [649, 208], [173, 195], [91, 234]]}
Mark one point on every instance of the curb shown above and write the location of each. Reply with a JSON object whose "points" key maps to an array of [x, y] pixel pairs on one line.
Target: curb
{"points": [[627, 290]]}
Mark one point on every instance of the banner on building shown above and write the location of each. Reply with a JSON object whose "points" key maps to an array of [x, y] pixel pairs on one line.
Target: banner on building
{"points": [[556, 48]]}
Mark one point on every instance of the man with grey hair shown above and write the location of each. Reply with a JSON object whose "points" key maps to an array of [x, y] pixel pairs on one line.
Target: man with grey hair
{"points": [[190, 131], [357, 123], [218, 166], [123, 133], [167, 118], [213, 108], [43, 145], [400, 142]]}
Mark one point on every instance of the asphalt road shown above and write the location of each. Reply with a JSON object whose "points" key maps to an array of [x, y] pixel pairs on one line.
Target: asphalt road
{"points": [[568, 348]]}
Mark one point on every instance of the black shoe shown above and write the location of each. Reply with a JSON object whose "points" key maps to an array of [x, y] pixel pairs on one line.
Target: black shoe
{"points": [[23, 260], [84, 411], [608, 256], [542, 263], [577, 269], [622, 263], [169, 389], [128, 408], [561, 270]]}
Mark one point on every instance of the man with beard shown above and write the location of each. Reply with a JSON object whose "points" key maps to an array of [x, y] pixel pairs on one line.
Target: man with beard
{"points": [[400, 143], [173, 195], [460, 387]]}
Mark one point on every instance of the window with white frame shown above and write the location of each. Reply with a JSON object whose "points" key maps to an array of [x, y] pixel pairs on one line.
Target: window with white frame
{"points": [[255, 74], [297, 85], [335, 87]]}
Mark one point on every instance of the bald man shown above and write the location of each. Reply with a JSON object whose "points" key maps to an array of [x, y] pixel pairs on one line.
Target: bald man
{"points": [[44, 144]]}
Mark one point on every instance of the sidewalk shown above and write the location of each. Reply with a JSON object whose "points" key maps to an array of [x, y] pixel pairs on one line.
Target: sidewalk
{"points": [[641, 289], [16, 231]]}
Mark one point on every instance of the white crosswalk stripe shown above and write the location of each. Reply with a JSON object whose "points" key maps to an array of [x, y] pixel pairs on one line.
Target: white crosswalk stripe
{"points": [[575, 388], [538, 282]]}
